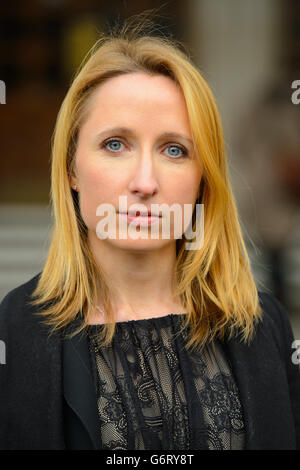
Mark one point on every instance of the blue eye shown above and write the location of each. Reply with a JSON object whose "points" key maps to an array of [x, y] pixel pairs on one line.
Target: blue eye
{"points": [[176, 148], [115, 147]]}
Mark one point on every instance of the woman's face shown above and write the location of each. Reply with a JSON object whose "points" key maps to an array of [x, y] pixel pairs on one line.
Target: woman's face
{"points": [[125, 148]]}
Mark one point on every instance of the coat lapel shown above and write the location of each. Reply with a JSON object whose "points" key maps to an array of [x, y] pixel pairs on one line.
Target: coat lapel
{"points": [[79, 389]]}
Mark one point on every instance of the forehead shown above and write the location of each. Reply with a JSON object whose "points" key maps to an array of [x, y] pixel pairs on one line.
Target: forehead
{"points": [[137, 95], [137, 85]]}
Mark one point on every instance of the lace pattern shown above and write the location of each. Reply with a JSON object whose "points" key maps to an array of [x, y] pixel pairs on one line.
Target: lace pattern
{"points": [[153, 393]]}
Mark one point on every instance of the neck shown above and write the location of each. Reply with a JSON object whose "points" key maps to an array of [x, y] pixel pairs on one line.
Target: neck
{"points": [[140, 282]]}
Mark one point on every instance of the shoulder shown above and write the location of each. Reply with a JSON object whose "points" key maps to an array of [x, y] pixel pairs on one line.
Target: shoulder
{"points": [[275, 321], [16, 303], [273, 310], [22, 291], [27, 338]]}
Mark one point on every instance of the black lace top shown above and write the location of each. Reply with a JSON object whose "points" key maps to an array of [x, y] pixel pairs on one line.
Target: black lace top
{"points": [[153, 393]]}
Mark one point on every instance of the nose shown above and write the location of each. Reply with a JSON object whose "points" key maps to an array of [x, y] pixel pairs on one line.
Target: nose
{"points": [[144, 181]]}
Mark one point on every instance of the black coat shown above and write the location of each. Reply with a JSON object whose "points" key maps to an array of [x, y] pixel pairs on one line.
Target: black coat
{"points": [[44, 380]]}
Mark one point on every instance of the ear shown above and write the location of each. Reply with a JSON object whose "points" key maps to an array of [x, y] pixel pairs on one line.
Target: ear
{"points": [[73, 182]]}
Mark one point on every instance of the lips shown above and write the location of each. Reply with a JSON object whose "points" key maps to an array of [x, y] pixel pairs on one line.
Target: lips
{"points": [[142, 220], [141, 214]]}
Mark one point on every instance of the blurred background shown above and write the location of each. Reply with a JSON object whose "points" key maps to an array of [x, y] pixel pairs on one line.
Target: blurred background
{"points": [[248, 51]]}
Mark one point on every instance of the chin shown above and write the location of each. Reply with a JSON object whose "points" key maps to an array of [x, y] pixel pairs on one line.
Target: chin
{"points": [[140, 245]]}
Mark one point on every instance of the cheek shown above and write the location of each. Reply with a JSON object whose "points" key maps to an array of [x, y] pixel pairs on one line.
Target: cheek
{"points": [[96, 186], [186, 188], [93, 174], [184, 191]]}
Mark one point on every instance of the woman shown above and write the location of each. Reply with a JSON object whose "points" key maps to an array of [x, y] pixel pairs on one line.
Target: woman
{"points": [[140, 342]]}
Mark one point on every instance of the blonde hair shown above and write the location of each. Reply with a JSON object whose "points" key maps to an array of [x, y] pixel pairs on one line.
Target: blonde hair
{"points": [[215, 283]]}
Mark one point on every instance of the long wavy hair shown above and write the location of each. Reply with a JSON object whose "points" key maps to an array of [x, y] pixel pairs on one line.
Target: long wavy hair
{"points": [[214, 283]]}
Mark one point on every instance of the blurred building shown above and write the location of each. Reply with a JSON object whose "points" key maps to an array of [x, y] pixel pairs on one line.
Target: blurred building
{"points": [[249, 52]]}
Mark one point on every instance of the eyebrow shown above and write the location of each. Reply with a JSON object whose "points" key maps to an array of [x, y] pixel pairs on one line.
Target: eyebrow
{"points": [[126, 130]]}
